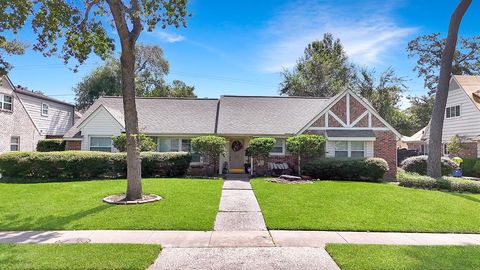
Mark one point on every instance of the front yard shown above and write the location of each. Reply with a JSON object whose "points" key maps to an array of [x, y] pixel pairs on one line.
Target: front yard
{"points": [[386, 257], [77, 256], [187, 205], [360, 206]]}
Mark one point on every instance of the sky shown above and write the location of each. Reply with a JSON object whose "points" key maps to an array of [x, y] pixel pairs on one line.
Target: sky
{"points": [[240, 47]]}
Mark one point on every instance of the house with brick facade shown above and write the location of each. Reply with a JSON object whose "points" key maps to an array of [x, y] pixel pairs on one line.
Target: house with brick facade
{"points": [[462, 119], [350, 124], [26, 117]]}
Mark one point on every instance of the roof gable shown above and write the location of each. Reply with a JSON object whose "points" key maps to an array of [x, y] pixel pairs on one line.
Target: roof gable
{"points": [[471, 86]]}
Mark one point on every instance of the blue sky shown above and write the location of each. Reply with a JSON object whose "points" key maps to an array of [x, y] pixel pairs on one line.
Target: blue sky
{"points": [[239, 47]]}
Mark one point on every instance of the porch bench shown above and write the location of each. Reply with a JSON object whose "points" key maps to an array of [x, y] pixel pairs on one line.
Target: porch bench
{"points": [[278, 168]]}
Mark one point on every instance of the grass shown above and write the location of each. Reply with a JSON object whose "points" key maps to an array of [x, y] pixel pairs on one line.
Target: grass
{"points": [[77, 256], [360, 206], [186, 205], [385, 257]]}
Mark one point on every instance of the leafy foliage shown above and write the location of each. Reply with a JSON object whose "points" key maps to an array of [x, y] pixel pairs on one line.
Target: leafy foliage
{"points": [[307, 145], [323, 71], [75, 165], [418, 165], [415, 180], [210, 147], [455, 146], [260, 147], [51, 145], [428, 51], [147, 144], [353, 169], [420, 111]]}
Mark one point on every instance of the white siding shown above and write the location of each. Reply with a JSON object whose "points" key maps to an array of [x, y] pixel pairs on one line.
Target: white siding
{"points": [[59, 119], [101, 123]]}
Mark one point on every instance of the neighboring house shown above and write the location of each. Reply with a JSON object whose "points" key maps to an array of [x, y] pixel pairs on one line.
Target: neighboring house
{"points": [[416, 142], [462, 117], [353, 128], [27, 117]]}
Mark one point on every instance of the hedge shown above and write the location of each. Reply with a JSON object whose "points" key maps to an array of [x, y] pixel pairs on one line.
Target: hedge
{"points": [[357, 169], [79, 165], [471, 167], [51, 145], [418, 165], [415, 180]]}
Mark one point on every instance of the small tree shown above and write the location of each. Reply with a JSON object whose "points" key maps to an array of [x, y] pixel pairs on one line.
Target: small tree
{"points": [[210, 147], [259, 147], [306, 145], [455, 146], [146, 143]]}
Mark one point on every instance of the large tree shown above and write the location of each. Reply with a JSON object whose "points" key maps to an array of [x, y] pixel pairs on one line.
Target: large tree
{"points": [[428, 51], [75, 29], [420, 110], [323, 70], [436, 124], [12, 20], [150, 69]]}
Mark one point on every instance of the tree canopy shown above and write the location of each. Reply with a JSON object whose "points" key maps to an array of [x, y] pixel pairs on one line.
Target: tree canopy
{"points": [[428, 51]]}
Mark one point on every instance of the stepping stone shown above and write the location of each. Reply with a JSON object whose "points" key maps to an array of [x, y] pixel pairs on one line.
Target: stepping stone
{"points": [[244, 258], [237, 184], [241, 239], [239, 221], [238, 201]]}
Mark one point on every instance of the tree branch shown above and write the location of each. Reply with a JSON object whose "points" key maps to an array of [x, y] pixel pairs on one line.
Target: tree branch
{"points": [[87, 12]]}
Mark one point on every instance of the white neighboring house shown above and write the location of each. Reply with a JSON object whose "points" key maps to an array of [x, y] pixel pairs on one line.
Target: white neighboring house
{"points": [[26, 117], [462, 117]]}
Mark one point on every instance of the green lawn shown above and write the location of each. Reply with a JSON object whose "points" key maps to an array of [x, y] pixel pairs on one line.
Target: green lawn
{"points": [[386, 257], [360, 206], [77, 256], [186, 205]]}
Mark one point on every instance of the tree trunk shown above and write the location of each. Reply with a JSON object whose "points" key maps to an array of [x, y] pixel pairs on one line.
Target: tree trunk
{"points": [[436, 123], [134, 168]]}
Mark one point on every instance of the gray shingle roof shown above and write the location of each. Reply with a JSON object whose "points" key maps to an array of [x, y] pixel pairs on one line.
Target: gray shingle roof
{"points": [[338, 133], [245, 115]]}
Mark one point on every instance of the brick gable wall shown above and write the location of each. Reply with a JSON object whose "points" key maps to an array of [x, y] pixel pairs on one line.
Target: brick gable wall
{"points": [[385, 147]]}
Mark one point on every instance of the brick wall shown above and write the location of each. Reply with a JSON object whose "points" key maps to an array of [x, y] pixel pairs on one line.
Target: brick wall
{"points": [[385, 147], [469, 151], [73, 145]]}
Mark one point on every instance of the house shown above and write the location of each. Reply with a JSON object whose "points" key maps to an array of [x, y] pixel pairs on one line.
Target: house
{"points": [[462, 118], [353, 128], [27, 117], [416, 142]]}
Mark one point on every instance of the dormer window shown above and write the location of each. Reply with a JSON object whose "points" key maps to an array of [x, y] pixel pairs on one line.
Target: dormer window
{"points": [[44, 109], [6, 102], [453, 111]]}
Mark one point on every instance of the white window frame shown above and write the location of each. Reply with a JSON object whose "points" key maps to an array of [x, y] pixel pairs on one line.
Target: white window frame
{"points": [[42, 109], [99, 136], [449, 116], [15, 144], [180, 141], [2, 102], [349, 148], [284, 146]]}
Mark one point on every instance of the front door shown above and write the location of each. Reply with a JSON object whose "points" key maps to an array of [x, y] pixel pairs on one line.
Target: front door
{"points": [[236, 155]]}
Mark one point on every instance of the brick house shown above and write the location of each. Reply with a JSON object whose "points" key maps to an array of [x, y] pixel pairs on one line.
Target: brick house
{"points": [[462, 116], [350, 124], [26, 117]]}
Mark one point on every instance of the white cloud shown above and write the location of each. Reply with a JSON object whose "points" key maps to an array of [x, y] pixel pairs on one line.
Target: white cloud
{"points": [[169, 37], [366, 28]]}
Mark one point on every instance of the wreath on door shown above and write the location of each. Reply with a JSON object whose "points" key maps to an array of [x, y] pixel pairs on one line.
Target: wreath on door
{"points": [[237, 146]]}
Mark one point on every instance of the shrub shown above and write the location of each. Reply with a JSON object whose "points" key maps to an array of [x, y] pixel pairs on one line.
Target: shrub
{"points": [[418, 165], [468, 167], [415, 180], [146, 143], [210, 147], [372, 169], [306, 145], [51, 145], [78, 165], [260, 147]]}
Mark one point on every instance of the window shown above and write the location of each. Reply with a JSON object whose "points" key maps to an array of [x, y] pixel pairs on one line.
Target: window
{"points": [[103, 144], [354, 149], [445, 149], [44, 109], [177, 144], [424, 149], [453, 111], [14, 143], [6, 102], [278, 148]]}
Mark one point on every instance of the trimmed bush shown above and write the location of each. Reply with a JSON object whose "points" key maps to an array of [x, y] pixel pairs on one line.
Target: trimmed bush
{"points": [[78, 165], [468, 167], [147, 144], [356, 169], [418, 165], [415, 180], [51, 145]]}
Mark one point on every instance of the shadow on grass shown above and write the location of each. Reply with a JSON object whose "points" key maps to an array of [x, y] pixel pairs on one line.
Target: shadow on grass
{"points": [[466, 196], [50, 222]]}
